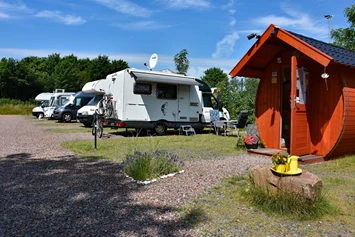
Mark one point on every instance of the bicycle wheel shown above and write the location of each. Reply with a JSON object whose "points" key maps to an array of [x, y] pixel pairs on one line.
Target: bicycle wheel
{"points": [[109, 108], [100, 128]]}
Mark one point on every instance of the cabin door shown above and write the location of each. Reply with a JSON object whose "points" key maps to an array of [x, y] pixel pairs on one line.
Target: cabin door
{"points": [[299, 132]]}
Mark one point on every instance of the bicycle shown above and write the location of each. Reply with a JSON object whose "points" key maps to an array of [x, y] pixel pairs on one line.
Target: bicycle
{"points": [[105, 105], [98, 126]]}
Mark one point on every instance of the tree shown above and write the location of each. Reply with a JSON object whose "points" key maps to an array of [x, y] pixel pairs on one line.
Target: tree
{"points": [[214, 76], [345, 37], [243, 93], [118, 65], [181, 62]]}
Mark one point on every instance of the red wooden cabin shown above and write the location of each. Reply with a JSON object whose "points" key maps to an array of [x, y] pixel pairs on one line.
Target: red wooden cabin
{"points": [[296, 108]]}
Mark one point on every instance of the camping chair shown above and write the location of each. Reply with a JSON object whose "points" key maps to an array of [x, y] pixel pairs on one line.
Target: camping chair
{"points": [[215, 121], [240, 123], [252, 130]]}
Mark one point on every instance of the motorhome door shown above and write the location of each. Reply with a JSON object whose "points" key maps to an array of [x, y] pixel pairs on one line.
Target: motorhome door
{"points": [[184, 102]]}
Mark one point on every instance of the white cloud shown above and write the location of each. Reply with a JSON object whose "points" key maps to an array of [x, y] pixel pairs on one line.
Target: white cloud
{"points": [[225, 47], [59, 16], [232, 22], [13, 7], [297, 20], [183, 4], [228, 5], [13, 10], [3, 15], [125, 7], [142, 25]]}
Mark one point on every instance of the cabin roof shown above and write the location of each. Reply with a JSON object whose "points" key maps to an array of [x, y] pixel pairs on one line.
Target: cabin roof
{"points": [[275, 40], [339, 54]]}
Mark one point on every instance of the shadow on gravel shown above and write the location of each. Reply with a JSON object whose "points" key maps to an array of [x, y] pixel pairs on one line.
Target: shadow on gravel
{"points": [[19, 155], [68, 196]]}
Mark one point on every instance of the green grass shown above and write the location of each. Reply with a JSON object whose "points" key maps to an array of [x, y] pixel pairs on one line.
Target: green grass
{"points": [[203, 146], [69, 130], [234, 206], [54, 123], [16, 109]]}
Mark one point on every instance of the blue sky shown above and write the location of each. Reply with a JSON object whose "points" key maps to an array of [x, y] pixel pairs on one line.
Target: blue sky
{"points": [[213, 32]]}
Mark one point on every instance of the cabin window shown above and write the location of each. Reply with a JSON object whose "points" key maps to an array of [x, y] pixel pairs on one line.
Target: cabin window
{"points": [[165, 91], [302, 81], [142, 88]]}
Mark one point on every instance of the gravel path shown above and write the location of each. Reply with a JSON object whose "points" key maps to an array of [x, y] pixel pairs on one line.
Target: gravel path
{"points": [[45, 190]]}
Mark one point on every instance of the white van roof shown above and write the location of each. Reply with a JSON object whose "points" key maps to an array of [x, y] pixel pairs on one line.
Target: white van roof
{"points": [[43, 96]]}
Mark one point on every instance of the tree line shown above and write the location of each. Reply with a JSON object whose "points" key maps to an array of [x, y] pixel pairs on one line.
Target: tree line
{"points": [[24, 79]]}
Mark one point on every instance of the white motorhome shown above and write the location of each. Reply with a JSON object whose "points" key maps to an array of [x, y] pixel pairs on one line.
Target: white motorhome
{"points": [[39, 110], [145, 99], [85, 114], [57, 99]]}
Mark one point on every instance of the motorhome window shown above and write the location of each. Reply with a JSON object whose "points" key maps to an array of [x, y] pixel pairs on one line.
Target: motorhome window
{"points": [[142, 88], [207, 102], [77, 102], [85, 101], [95, 100], [165, 91], [62, 99]]}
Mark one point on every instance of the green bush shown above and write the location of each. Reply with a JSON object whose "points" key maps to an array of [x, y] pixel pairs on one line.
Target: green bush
{"points": [[151, 165]]}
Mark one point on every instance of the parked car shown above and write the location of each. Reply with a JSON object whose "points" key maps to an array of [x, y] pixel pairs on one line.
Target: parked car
{"points": [[68, 111], [85, 115]]}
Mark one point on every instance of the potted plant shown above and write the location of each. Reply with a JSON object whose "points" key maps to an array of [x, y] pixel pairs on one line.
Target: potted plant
{"points": [[251, 142], [280, 162]]}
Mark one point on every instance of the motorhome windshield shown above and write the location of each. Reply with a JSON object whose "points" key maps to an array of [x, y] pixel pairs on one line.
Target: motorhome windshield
{"points": [[210, 101], [95, 100], [57, 100], [51, 101], [45, 103]]}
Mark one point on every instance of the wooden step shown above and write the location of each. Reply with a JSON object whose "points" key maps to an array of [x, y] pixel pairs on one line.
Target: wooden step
{"points": [[309, 159]]}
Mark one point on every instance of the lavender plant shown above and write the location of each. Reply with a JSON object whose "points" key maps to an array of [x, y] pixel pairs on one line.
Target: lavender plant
{"points": [[150, 165]]}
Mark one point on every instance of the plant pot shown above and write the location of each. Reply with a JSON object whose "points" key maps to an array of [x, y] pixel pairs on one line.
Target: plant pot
{"points": [[252, 146]]}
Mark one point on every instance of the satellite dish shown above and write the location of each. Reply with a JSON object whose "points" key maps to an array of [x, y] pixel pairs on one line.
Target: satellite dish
{"points": [[153, 61]]}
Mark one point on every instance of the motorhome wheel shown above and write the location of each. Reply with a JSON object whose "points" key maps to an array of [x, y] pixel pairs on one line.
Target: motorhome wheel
{"points": [[88, 125], [160, 128], [66, 117]]}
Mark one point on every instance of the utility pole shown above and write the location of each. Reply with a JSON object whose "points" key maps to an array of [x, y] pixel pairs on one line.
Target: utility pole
{"points": [[328, 17]]}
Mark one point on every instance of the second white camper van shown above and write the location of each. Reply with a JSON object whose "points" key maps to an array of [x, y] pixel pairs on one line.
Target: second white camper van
{"points": [[145, 99], [57, 99]]}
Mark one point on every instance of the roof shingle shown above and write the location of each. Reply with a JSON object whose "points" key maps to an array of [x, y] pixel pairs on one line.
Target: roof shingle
{"points": [[339, 54]]}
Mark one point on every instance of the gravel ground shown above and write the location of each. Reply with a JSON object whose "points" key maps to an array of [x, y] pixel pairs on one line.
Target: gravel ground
{"points": [[47, 191]]}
